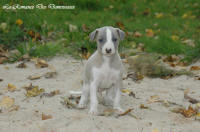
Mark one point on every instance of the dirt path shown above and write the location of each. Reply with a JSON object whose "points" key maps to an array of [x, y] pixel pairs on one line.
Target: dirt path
{"points": [[28, 117]]}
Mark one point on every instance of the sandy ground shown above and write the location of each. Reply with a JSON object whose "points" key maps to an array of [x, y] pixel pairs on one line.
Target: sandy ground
{"points": [[29, 115]]}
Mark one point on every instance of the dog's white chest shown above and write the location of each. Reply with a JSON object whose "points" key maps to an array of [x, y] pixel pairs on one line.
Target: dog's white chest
{"points": [[105, 76]]}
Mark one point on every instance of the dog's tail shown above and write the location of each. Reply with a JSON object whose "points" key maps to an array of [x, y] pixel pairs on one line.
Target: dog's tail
{"points": [[75, 93]]}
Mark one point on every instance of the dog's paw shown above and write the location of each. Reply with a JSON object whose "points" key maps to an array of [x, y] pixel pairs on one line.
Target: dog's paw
{"points": [[82, 105], [119, 110], [93, 112], [186, 105]]}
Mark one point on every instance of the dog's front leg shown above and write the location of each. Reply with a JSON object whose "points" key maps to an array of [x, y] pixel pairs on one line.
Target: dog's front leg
{"points": [[117, 97], [93, 98]]}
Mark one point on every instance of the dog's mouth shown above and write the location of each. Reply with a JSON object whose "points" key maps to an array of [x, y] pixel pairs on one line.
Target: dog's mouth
{"points": [[108, 54]]}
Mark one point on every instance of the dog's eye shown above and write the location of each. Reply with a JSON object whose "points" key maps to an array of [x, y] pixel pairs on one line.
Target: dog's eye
{"points": [[114, 40], [100, 40]]}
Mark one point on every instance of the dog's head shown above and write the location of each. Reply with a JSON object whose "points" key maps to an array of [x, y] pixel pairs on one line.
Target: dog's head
{"points": [[107, 39]]}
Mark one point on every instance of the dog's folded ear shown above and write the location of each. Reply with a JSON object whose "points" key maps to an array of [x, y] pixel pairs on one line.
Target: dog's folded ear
{"points": [[120, 33], [93, 35]]}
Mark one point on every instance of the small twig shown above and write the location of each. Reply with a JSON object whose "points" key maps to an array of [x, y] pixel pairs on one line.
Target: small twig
{"points": [[126, 112]]}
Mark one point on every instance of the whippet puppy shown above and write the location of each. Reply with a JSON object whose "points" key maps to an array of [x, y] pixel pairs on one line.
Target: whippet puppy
{"points": [[103, 70]]}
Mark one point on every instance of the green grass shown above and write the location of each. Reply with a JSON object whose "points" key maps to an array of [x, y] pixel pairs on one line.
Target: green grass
{"points": [[135, 15], [37, 50]]}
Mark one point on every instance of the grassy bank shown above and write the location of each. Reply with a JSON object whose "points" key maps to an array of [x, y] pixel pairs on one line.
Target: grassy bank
{"points": [[166, 27]]}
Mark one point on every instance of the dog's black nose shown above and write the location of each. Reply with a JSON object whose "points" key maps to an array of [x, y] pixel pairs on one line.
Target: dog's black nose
{"points": [[108, 50]]}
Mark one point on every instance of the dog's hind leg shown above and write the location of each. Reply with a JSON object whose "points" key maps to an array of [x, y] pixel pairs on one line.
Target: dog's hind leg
{"points": [[84, 96], [109, 96], [117, 97]]}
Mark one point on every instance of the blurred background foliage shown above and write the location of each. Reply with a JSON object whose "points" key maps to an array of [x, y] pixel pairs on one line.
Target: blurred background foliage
{"points": [[160, 26]]}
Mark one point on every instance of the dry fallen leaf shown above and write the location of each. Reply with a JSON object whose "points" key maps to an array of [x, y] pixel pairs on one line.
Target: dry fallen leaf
{"points": [[154, 98], [111, 6], [6, 102], [155, 130], [85, 55], [139, 77], [3, 59], [168, 76], [55, 92], [51, 94], [186, 91], [188, 15], [198, 114], [73, 28], [172, 64], [166, 103], [4, 55], [6, 67], [194, 68], [184, 16], [34, 77], [85, 28], [11, 87], [198, 105], [137, 34], [45, 117], [197, 78], [25, 57], [52, 68], [180, 63], [186, 112], [34, 35], [171, 58], [3, 26], [142, 106], [29, 87], [50, 74], [159, 15], [67, 102], [4, 52], [120, 25], [32, 91], [175, 37], [31, 33], [149, 32], [14, 108], [124, 60], [189, 42], [38, 36], [129, 92], [21, 65], [189, 112], [19, 22], [146, 11], [140, 47], [126, 91], [132, 94], [131, 75], [41, 63]]}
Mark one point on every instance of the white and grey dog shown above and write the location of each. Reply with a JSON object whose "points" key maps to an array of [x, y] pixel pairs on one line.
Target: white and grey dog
{"points": [[103, 70]]}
